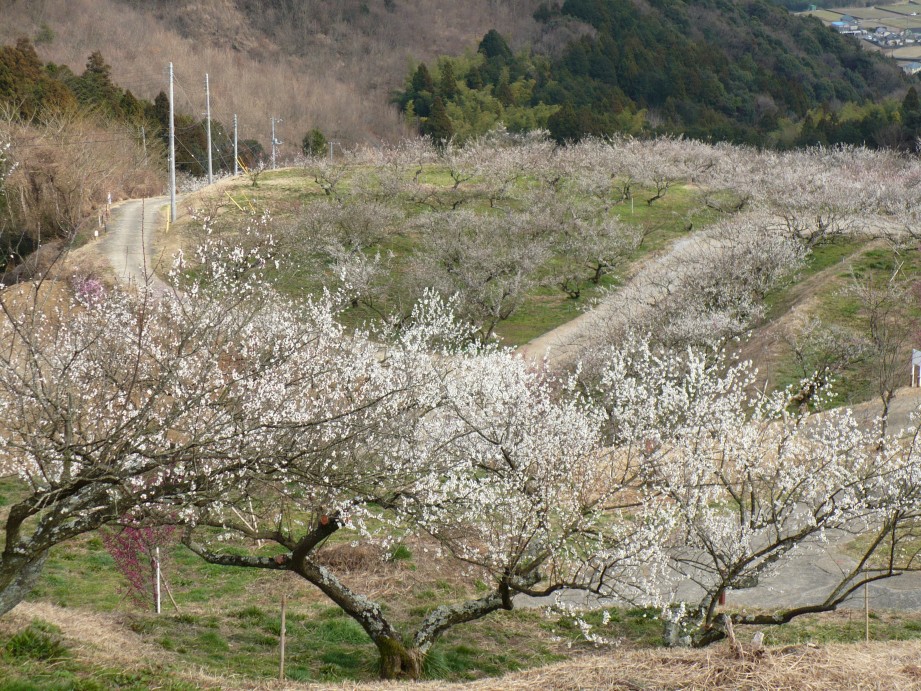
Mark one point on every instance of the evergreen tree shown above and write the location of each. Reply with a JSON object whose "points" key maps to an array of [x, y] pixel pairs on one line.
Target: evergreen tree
{"points": [[251, 152], [494, 47], [96, 65], [314, 143], [504, 92], [911, 114], [475, 79], [422, 80], [438, 125], [130, 107], [564, 125], [447, 87], [95, 87], [161, 111], [25, 85], [423, 89]]}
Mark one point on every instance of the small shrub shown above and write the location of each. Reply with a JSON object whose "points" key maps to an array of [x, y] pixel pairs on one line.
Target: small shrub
{"points": [[401, 553], [314, 143], [40, 641], [44, 35]]}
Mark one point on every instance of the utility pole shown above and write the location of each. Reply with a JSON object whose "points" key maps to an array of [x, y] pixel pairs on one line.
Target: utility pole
{"points": [[172, 151], [273, 143], [236, 154], [208, 117]]}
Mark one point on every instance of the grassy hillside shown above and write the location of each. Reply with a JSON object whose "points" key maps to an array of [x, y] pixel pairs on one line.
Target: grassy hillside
{"points": [[696, 206], [375, 228], [78, 631]]}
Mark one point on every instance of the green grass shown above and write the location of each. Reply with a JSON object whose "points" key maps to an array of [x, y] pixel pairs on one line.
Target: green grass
{"points": [[845, 626], [843, 260], [827, 255], [235, 631], [38, 658], [285, 192], [230, 623]]}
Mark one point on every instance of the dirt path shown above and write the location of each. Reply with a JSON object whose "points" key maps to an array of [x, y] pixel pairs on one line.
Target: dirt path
{"points": [[566, 343], [129, 243]]}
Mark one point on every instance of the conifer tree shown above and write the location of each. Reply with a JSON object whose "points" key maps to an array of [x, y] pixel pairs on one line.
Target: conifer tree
{"points": [[439, 126], [911, 113], [447, 87]]}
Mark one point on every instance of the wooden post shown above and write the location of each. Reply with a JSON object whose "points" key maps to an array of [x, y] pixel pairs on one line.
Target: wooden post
{"points": [[866, 606], [281, 661], [157, 584], [170, 593]]}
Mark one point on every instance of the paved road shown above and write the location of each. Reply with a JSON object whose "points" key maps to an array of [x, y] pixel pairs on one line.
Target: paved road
{"points": [[128, 244], [806, 577]]}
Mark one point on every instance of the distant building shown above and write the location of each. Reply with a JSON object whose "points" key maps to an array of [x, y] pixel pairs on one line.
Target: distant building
{"points": [[846, 25]]}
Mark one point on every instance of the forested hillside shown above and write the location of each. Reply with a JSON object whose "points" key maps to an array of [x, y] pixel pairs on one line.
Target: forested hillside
{"points": [[73, 141], [744, 71], [311, 63], [711, 69]]}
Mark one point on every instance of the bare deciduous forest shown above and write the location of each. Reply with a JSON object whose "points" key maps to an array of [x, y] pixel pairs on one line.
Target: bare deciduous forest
{"points": [[312, 63]]}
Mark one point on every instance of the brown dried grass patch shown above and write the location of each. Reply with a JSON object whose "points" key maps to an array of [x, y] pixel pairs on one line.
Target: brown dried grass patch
{"points": [[104, 639], [343, 558], [830, 667], [101, 637]]}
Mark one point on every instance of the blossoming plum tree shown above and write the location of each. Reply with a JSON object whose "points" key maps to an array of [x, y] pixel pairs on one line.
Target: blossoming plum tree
{"points": [[751, 482], [483, 456], [123, 402]]}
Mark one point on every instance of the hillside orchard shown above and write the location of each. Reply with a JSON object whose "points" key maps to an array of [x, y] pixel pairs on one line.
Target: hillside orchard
{"points": [[270, 433]]}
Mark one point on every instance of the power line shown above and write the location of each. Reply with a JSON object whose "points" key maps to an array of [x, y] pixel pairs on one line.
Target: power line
{"points": [[76, 140]]}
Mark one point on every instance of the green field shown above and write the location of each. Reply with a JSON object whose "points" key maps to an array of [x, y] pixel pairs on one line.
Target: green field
{"points": [[825, 15]]}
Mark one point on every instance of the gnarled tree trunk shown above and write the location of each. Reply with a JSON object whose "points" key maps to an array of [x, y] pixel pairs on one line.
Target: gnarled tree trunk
{"points": [[398, 661], [18, 575]]}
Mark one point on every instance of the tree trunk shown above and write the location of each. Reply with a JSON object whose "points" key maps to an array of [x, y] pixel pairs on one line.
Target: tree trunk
{"points": [[694, 628], [398, 661], [17, 577]]}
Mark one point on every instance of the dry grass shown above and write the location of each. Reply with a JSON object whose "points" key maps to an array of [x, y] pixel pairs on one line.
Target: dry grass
{"points": [[805, 668], [100, 637], [103, 639]]}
